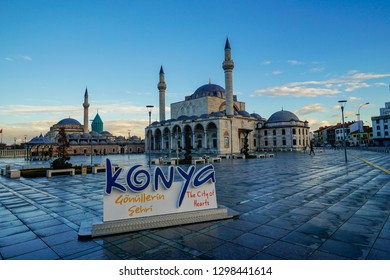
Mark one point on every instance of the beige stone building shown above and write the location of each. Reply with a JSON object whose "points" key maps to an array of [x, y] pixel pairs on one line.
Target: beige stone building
{"points": [[213, 121]]}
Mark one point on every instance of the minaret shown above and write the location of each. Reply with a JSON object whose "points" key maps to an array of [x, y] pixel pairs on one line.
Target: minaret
{"points": [[228, 66], [161, 90], [86, 105]]}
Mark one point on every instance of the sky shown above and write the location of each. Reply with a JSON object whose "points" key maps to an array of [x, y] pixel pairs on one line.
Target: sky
{"points": [[299, 56]]}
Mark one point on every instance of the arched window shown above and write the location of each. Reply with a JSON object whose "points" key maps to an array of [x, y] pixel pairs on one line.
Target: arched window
{"points": [[283, 131]]}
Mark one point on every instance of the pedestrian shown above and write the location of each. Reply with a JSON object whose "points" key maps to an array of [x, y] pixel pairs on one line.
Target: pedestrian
{"points": [[312, 149]]}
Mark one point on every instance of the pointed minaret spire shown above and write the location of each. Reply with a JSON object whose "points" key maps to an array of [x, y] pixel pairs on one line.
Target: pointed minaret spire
{"points": [[228, 66], [86, 106], [227, 45], [161, 90]]}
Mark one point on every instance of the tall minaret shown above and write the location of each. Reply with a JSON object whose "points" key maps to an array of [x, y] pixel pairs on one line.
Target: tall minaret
{"points": [[228, 66], [86, 105], [161, 90]]}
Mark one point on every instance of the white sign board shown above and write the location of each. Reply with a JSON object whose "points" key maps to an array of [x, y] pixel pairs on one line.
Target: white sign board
{"points": [[136, 193]]}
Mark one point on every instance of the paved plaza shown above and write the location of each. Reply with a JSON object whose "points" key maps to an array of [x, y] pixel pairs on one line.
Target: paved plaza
{"points": [[293, 206]]}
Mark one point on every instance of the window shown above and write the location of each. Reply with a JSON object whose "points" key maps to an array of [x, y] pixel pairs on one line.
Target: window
{"points": [[226, 142], [378, 133], [274, 132], [377, 121], [386, 133], [265, 132], [299, 131], [284, 142], [265, 143], [294, 142], [274, 142], [294, 132], [378, 127], [254, 142], [386, 126], [283, 132]]}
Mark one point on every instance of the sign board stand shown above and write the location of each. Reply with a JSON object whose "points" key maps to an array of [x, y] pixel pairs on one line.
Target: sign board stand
{"points": [[91, 229], [136, 200]]}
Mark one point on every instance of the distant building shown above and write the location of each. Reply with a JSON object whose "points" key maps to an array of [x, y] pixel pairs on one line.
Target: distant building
{"points": [[97, 141], [213, 121], [380, 126]]}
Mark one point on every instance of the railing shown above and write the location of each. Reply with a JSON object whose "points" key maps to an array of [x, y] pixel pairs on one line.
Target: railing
{"points": [[15, 153]]}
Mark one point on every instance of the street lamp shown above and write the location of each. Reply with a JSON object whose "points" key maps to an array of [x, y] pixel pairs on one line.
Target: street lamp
{"points": [[150, 108], [342, 105], [358, 118]]}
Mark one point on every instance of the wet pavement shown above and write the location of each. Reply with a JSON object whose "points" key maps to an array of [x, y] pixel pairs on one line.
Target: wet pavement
{"points": [[293, 206]]}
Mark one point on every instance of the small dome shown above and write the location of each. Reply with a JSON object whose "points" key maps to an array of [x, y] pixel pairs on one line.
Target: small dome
{"points": [[155, 123], [204, 116], [244, 113], [182, 118], [282, 116], [69, 121], [209, 90], [256, 116]]}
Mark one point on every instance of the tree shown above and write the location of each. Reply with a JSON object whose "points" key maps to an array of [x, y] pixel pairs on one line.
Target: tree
{"points": [[63, 156]]}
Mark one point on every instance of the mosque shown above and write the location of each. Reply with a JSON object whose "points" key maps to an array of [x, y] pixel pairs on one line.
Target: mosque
{"points": [[81, 140], [213, 121]]}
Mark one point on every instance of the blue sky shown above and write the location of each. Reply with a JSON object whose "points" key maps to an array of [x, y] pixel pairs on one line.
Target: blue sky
{"points": [[302, 56]]}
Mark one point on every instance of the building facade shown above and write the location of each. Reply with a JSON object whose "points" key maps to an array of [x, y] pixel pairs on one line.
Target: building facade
{"points": [[380, 126], [213, 121]]}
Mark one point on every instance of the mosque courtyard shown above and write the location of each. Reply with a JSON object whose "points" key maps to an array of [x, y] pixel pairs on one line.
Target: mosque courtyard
{"points": [[292, 206]]}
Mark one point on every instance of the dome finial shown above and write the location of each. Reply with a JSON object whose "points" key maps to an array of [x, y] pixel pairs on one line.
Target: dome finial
{"points": [[209, 81]]}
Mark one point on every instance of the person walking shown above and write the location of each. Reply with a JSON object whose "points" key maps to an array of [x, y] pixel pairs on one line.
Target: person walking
{"points": [[312, 149]]}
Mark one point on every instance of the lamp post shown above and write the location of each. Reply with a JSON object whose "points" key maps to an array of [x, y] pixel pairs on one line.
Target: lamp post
{"points": [[342, 105], [150, 108], [358, 118]]}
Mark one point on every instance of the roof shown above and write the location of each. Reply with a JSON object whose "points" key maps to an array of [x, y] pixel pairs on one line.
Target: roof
{"points": [[282, 116], [68, 121], [209, 90]]}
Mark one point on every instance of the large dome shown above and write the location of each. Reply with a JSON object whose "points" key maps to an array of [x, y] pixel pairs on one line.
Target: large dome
{"points": [[69, 121], [209, 90], [282, 116]]}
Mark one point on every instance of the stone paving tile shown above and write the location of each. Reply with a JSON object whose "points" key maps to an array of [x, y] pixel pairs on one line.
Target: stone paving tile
{"points": [[344, 249], [42, 254], [22, 248], [253, 241], [289, 251], [231, 251], [304, 208]]}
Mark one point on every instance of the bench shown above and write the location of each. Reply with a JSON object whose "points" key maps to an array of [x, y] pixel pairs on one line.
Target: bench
{"points": [[216, 159], [13, 174], [95, 169], [50, 172], [197, 160]]}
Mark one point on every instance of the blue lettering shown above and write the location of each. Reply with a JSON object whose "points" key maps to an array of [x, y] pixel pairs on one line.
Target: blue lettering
{"points": [[135, 184], [158, 174], [111, 178], [204, 175], [187, 179]]}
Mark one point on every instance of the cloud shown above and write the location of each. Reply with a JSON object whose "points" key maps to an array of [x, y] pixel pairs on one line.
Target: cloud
{"points": [[353, 98], [268, 62], [309, 109], [8, 59], [350, 82], [276, 72], [317, 69], [294, 62], [26, 57]]}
